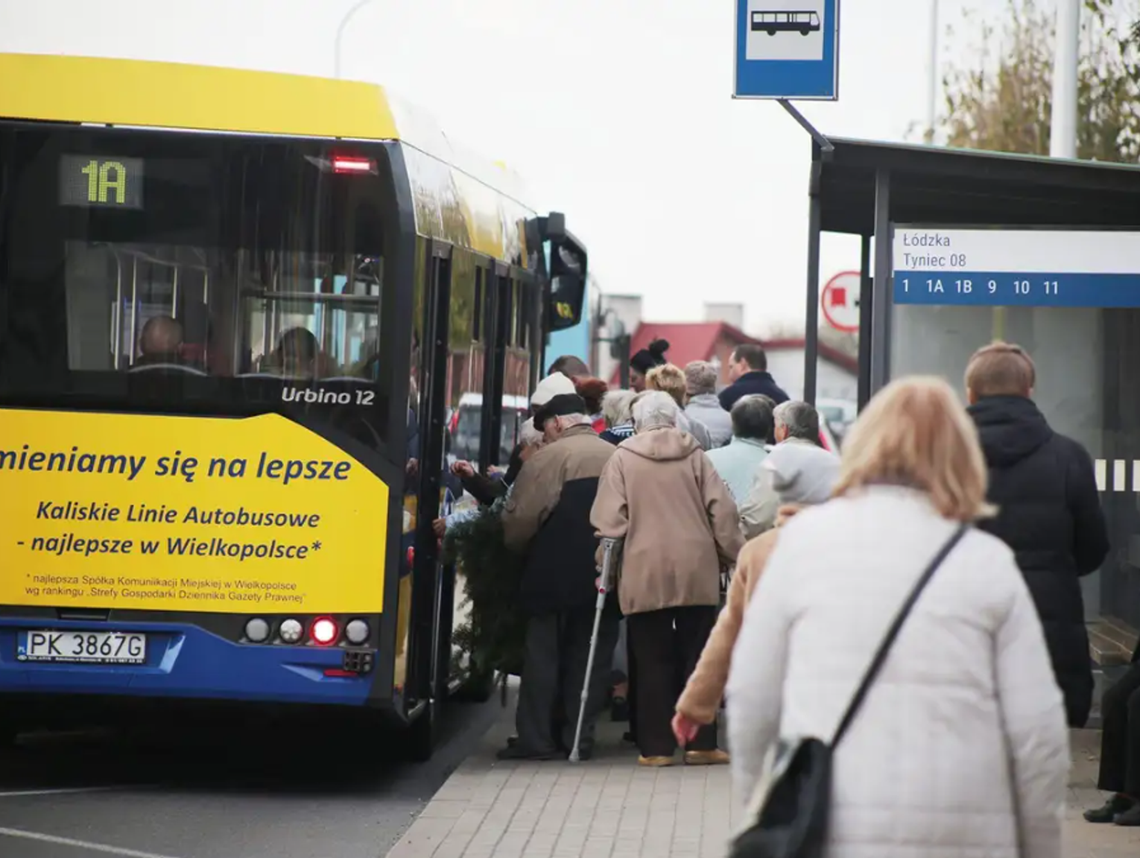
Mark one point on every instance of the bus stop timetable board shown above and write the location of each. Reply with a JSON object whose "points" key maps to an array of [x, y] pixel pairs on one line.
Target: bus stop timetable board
{"points": [[1007, 268]]}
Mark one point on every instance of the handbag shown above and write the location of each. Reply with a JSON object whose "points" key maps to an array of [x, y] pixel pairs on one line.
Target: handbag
{"points": [[788, 814]]}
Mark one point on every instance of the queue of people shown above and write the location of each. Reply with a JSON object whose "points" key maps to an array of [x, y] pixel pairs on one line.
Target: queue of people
{"points": [[961, 744]]}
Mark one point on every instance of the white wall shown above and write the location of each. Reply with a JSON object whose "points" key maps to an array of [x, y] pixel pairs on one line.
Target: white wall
{"points": [[832, 382], [733, 314]]}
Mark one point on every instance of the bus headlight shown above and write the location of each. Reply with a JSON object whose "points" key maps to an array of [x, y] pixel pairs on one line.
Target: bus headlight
{"points": [[357, 632], [291, 631], [257, 630]]}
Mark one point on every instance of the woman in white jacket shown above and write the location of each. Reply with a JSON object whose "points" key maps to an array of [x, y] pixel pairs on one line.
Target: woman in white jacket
{"points": [[960, 748]]}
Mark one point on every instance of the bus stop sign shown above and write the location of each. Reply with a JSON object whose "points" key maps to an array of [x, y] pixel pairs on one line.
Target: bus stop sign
{"points": [[787, 49], [840, 302]]}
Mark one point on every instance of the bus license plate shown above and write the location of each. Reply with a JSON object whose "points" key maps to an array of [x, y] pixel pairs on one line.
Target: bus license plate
{"points": [[86, 647]]}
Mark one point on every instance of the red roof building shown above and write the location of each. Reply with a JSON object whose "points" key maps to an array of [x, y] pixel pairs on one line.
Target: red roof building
{"points": [[715, 341]]}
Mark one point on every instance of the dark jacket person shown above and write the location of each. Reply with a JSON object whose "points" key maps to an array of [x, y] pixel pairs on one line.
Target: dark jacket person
{"points": [[547, 517], [1044, 487], [748, 372]]}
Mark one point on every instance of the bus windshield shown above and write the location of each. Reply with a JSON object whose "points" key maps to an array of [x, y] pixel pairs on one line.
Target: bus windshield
{"points": [[187, 273]]}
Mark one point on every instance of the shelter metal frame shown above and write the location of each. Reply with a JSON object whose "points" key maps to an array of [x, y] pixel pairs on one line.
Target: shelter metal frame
{"points": [[861, 187]]}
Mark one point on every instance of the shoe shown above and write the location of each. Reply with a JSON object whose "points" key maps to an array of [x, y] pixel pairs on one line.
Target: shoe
{"points": [[655, 762], [628, 736], [516, 752], [706, 758], [512, 741], [1108, 812], [1129, 817], [619, 709]]}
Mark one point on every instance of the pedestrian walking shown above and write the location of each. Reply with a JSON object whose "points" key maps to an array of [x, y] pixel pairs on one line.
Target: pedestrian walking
{"points": [[748, 373], [645, 360], [570, 366], [1044, 487], [593, 392], [701, 403], [660, 494], [618, 416], [739, 463], [1120, 750], [797, 458], [547, 517], [670, 379], [960, 745], [701, 699]]}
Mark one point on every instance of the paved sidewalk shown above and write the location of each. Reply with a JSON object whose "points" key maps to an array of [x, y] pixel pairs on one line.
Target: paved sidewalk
{"points": [[608, 807]]}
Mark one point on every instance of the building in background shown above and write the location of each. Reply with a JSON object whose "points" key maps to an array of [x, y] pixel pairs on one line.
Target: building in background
{"points": [[732, 314], [838, 373], [613, 311]]}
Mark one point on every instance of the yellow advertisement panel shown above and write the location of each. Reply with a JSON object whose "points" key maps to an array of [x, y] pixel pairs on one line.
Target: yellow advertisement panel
{"points": [[186, 514]]}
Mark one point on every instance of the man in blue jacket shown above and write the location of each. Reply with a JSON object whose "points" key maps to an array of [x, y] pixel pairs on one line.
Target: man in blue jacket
{"points": [[748, 372]]}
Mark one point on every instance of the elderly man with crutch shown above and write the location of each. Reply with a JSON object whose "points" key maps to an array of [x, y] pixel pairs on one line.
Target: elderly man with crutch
{"points": [[548, 518]]}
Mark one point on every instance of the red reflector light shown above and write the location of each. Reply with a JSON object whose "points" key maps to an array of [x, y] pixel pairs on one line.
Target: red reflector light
{"points": [[340, 673], [324, 631], [353, 165], [411, 556]]}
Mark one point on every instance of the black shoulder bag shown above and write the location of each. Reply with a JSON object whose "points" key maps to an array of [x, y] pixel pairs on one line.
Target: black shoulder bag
{"points": [[788, 814]]}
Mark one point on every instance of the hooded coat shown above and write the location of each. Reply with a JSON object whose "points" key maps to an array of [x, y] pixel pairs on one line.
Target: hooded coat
{"points": [[1049, 513], [660, 493]]}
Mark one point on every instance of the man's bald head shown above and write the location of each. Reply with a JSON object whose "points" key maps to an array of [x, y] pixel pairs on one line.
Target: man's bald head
{"points": [[161, 336]]}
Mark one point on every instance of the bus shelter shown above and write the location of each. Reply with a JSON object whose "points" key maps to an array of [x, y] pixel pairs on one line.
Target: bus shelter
{"points": [[1085, 341]]}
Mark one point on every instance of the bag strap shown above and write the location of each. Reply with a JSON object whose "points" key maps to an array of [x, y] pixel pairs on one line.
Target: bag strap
{"points": [[889, 639]]}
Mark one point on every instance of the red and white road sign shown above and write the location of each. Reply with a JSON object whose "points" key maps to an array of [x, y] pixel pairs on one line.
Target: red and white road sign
{"points": [[840, 300]]}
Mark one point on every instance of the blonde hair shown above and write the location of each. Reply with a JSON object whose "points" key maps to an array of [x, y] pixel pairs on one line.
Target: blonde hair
{"points": [[1000, 369], [916, 433], [668, 378]]}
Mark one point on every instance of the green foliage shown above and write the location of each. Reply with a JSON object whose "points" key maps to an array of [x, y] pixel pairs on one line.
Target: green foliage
{"points": [[1003, 100], [495, 633]]}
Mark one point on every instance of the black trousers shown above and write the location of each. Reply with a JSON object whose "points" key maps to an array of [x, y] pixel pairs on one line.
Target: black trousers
{"points": [[1120, 735], [554, 669], [666, 646]]}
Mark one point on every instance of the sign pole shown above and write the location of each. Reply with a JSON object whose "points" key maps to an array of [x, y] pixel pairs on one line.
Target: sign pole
{"points": [[788, 51]]}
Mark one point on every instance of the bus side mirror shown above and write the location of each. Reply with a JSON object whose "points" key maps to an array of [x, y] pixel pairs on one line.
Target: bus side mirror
{"points": [[567, 283]]}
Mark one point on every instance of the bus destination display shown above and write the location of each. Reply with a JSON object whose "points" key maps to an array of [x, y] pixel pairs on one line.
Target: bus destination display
{"points": [[100, 182], [1000, 268]]}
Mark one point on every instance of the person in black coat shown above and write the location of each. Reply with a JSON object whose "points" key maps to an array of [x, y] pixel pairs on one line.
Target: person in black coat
{"points": [[1120, 750], [1044, 487], [748, 371]]}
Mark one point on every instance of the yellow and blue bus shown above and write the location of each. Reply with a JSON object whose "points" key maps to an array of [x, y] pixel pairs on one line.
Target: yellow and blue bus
{"points": [[236, 310]]}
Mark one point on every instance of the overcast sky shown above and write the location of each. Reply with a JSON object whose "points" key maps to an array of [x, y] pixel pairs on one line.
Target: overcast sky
{"points": [[617, 112]]}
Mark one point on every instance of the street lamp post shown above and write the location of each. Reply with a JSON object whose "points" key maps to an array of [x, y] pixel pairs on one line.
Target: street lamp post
{"points": [[932, 71], [340, 33], [1063, 124]]}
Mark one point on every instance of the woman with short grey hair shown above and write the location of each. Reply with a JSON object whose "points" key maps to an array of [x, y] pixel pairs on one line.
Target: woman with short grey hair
{"points": [[660, 494], [616, 412], [702, 403]]}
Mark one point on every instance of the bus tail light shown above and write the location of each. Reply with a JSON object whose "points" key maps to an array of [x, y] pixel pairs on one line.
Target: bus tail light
{"points": [[324, 631], [345, 164]]}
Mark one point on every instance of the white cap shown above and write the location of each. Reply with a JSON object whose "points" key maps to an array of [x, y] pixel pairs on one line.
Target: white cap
{"points": [[555, 384]]}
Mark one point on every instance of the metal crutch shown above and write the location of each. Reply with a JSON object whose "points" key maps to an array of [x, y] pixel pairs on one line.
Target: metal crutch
{"points": [[609, 551]]}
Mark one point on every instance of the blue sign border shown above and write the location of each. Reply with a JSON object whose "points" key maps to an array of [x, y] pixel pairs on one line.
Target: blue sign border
{"points": [[816, 80]]}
